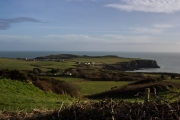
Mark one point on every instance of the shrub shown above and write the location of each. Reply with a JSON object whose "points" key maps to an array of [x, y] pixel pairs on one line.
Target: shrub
{"points": [[173, 76], [33, 77], [53, 70], [18, 75], [38, 69], [57, 86]]}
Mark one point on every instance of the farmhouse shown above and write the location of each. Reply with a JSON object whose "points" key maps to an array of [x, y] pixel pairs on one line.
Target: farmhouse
{"points": [[85, 63]]}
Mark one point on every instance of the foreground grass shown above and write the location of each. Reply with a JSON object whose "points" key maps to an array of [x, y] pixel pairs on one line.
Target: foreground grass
{"points": [[16, 95]]}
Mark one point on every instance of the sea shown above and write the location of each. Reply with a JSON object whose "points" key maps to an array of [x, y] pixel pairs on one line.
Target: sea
{"points": [[168, 61]]}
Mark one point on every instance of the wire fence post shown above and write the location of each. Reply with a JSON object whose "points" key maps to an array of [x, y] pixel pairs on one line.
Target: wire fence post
{"points": [[147, 95]]}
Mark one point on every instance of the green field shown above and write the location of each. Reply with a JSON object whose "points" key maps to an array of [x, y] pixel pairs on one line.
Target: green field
{"points": [[90, 87], [69, 79], [16, 95], [8, 63], [108, 60], [46, 65]]}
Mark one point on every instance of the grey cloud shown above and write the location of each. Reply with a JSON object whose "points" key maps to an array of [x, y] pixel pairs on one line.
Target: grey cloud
{"points": [[155, 6], [20, 19], [6, 23]]}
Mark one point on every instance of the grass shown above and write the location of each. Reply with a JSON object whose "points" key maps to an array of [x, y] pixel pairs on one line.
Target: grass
{"points": [[152, 75], [29, 65], [92, 87], [174, 80], [108, 60], [15, 64], [69, 79], [45, 65], [16, 95]]}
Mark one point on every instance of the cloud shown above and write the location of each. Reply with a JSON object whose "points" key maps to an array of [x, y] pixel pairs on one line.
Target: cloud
{"points": [[163, 26], [147, 30], [6, 23], [75, 42], [155, 6], [104, 40], [10, 38], [120, 39], [79, 39]]}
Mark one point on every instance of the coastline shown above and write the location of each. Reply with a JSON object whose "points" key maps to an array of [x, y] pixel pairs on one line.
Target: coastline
{"points": [[168, 62]]}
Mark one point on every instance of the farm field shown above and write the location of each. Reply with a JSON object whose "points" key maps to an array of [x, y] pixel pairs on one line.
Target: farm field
{"points": [[89, 87], [8, 63], [17, 96], [67, 63], [92, 87], [105, 59]]}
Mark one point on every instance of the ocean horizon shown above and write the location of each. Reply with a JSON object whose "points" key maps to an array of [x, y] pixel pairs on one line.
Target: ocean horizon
{"points": [[168, 61]]}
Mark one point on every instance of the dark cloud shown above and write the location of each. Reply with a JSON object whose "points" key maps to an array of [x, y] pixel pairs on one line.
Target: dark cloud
{"points": [[20, 19], [6, 23]]}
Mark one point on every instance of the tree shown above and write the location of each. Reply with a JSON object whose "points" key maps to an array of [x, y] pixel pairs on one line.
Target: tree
{"points": [[53, 70], [162, 77], [36, 71], [173, 76]]}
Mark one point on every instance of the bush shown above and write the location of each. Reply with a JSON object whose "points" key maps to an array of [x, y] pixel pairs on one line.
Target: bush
{"points": [[173, 76], [33, 77], [53, 71], [18, 75], [57, 86]]}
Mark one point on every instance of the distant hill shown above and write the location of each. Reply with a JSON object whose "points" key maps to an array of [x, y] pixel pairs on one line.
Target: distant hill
{"points": [[70, 56], [59, 56]]}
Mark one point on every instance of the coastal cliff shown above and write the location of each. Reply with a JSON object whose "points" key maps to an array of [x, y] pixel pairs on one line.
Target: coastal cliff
{"points": [[132, 65]]}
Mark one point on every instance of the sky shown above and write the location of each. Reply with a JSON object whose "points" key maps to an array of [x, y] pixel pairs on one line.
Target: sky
{"points": [[90, 25]]}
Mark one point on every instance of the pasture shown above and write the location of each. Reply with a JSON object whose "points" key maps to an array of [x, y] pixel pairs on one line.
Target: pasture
{"points": [[17, 96], [9, 63]]}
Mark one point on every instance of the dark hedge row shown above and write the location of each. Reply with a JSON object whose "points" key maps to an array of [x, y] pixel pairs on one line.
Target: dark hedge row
{"points": [[104, 110]]}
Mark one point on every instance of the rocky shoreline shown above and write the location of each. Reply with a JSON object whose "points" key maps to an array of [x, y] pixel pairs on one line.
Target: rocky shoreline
{"points": [[132, 65]]}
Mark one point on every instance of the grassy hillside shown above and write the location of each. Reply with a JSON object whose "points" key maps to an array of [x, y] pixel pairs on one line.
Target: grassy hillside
{"points": [[16, 95], [93, 87]]}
